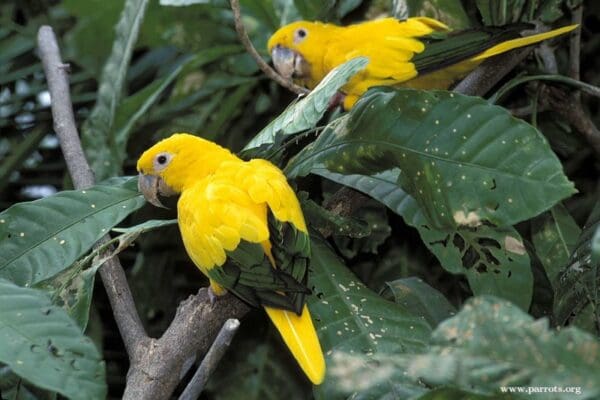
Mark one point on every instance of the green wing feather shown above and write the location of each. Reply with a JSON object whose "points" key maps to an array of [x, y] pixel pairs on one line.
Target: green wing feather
{"points": [[443, 50], [248, 272]]}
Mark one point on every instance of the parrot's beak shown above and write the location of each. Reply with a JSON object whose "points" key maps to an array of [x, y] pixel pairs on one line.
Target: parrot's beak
{"points": [[151, 186], [289, 63]]}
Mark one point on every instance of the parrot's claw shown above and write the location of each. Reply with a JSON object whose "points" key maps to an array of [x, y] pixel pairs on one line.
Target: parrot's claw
{"points": [[212, 297]]}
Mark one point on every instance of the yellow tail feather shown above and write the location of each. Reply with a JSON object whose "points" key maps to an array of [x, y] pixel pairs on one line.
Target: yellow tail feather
{"points": [[521, 42], [300, 336]]}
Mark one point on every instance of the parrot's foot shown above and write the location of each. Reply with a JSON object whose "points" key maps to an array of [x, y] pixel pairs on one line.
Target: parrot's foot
{"points": [[212, 297]]}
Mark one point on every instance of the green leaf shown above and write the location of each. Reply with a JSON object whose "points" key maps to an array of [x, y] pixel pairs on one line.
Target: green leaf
{"points": [[323, 219], [596, 247], [578, 284], [39, 239], [72, 289], [311, 10], [306, 112], [421, 299], [494, 260], [450, 12], [554, 236], [352, 319], [464, 161], [498, 13], [42, 344], [97, 133], [134, 107], [475, 351]]}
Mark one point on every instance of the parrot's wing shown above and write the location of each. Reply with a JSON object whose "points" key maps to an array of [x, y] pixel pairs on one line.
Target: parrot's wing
{"points": [[252, 277], [443, 50], [247, 213]]}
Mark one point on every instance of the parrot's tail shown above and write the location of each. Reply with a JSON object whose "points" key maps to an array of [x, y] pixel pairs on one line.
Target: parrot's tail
{"points": [[521, 42], [300, 336]]}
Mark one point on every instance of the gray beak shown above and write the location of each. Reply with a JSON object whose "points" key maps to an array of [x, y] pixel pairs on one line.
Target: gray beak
{"points": [[289, 63], [149, 186]]}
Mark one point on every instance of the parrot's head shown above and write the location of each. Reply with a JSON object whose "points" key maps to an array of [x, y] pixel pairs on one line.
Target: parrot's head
{"points": [[175, 163], [298, 47]]}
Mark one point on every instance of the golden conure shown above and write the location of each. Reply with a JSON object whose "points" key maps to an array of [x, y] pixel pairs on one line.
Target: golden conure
{"points": [[242, 226], [417, 52]]}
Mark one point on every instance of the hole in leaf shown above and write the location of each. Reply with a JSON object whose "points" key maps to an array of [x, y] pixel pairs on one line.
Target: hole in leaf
{"points": [[470, 258], [459, 242], [443, 242], [509, 273], [486, 242], [481, 268], [494, 186], [489, 257]]}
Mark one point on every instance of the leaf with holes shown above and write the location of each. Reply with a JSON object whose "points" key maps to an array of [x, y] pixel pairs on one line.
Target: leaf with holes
{"points": [[39, 239], [40, 343], [554, 236], [351, 319], [475, 352], [306, 112], [463, 160], [494, 260]]}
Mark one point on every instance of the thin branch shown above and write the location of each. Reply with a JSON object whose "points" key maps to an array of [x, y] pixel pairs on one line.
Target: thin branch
{"points": [[266, 68], [575, 43], [112, 273], [211, 360]]}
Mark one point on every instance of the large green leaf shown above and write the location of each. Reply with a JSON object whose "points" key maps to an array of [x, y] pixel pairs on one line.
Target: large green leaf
{"points": [[578, 284], [39, 239], [554, 236], [463, 160], [492, 347], [306, 112], [494, 260], [43, 345], [498, 13], [351, 319], [97, 134]]}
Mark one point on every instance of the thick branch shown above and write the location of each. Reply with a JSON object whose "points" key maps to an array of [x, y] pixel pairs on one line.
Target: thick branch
{"points": [[112, 273], [211, 360], [266, 68], [192, 331]]}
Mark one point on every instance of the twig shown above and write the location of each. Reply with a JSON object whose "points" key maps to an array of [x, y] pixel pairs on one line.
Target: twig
{"points": [[112, 273], [266, 68], [572, 112], [212, 358], [156, 365], [575, 43]]}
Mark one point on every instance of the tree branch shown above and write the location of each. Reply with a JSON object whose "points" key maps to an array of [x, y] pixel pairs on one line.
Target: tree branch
{"points": [[156, 365], [266, 68], [112, 273], [211, 360]]}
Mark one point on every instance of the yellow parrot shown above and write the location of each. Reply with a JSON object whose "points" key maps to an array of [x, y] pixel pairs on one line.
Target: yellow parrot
{"points": [[243, 227], [417, 52]]}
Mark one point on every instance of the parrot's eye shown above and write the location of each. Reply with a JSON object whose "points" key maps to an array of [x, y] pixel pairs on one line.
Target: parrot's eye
{"points": [[299, 35], [161, 161]]}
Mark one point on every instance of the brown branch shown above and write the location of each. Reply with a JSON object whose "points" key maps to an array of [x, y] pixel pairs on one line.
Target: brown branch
{"points": [[156, 365], [266, 68], [575, 43]]}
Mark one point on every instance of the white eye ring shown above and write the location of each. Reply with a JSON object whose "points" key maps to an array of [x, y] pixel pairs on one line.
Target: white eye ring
{"points": [[299, 35], [162, 160]]}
